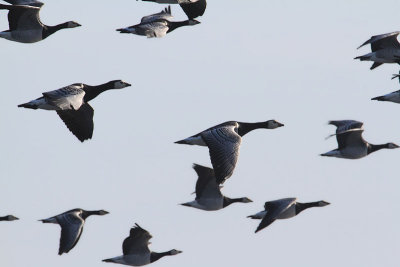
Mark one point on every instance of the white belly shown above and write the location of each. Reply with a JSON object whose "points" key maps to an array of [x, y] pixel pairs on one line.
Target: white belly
{"points": [[208, 204], [289, 213], [354, 152], [133, 259], [27, 36]]}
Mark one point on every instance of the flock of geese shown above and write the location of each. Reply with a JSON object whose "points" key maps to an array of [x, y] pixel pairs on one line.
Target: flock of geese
{"points": [[223, 141]]}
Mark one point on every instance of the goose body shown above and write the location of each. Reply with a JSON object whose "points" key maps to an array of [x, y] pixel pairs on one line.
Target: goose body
{"points": [[71, 104], [136, 251], [25, 25], [71, 223], [385, 49], [192, 8], [8, 218], [223, 142], [282, 209], [157, 25], [208, 193], [351, 143], [391, 97]]}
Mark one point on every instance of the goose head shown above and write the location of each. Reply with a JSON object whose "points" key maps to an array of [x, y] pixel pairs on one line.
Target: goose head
{"points": [[174, 252], [192, 22], [273, 124], [73, 24], [11, 218], [391, 146], [245, 200], [323, 203], [119, 84]]}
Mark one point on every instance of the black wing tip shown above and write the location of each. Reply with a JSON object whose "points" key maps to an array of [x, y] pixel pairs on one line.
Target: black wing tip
{"points": [[181, 142], [378, 98], [107, 260]]}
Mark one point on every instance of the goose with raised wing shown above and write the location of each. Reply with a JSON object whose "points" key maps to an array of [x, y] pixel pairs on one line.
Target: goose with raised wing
{"points": [[192, 8], [8, 218], [71, 223], [223, 142], [157, 25], [25, 25], [351, 143], [283, 209], [391, 97], [208, 193], [385, 49], [71, 104], [136, 250]]}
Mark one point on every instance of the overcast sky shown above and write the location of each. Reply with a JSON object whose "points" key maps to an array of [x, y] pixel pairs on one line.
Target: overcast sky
{"points": [[286, 60]]}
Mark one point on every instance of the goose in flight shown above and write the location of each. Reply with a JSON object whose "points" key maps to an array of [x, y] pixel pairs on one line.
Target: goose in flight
{"points": [[223, 142], [391, 97], [136, 251], [8, 218], [192, 8], [71, 223], [157, 25], [282, 209], [71, 104], [385, 49], [25, 25], [351, 143], [208, 193]]}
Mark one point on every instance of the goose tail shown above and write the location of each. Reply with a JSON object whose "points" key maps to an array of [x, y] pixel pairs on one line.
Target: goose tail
{"points": [[28, 105], [124, 30], [379, 98]]}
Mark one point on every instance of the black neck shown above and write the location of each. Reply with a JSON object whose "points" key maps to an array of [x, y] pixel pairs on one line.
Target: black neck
{"points": [[87, 213], [373, 148], [228, 201], [176, 24], [93, 91], [245, 127], [5, 218], [49, 30], [303, 206], [155, 256]]}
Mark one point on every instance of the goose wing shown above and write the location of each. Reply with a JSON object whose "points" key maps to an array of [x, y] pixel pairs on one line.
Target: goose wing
{"points": [[79, 122], [155, 29], [274, 208], [25, 2], [348, 133], [163, 15], [388, 40], [223, 144], [69, 97], [194, 9], [137, 242], [23, 17], [206, 185], [71, 229]]}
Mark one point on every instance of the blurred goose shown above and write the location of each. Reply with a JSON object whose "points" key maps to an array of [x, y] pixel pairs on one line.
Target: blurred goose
{"points": [[351, 143], [385, 49], [8, 218], [71, 104], [136, 251], [391, 97], [192, 8], [25, 25], [208, 193], [157, 25], [71, 223], [283, 209], [223, 142]]}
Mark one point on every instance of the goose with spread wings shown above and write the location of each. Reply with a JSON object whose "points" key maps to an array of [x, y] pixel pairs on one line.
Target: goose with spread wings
{"points": [[283, 209], [157, 25], [208, 192], [71, 104], [351, 143], [192, 8], [25, 25], [385, 49], [223, 142], [8, 218], [71, 223], [136, 250], [391, 97]]}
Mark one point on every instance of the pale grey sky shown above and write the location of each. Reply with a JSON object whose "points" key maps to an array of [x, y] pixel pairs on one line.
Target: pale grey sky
{"points": [[287, 60]]}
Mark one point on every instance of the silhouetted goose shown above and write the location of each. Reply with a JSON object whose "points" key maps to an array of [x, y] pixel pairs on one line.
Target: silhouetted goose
{"points": [[136, 251], [8, 218], [71, 104], [351, 143], [282, 209], [25, 2], [391, 97], [223, 142], [208, 193], [385, 49], [192, 8], [157, 25], [25, 25], [71, 223]]}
